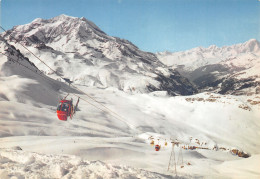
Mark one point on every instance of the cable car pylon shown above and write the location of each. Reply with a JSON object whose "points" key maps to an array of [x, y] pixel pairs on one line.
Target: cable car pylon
{"points": [[172, 161], [180, 158]]}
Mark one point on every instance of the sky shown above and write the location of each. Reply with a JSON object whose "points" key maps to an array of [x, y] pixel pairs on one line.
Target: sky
{"points": [[152, 25]]}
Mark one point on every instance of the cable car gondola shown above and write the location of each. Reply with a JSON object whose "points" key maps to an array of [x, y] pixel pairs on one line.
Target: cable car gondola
{"points": [[157, 147], [66, 109]]}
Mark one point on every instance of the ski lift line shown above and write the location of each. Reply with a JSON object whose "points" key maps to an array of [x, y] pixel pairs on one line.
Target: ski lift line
{"points": [[33, 54], [88, 102], [30, 51], [43, 77], [133, 126], [104, 110], [16, 61], [109, 110]]}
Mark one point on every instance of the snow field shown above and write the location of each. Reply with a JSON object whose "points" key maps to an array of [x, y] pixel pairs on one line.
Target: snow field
{"points": [[97, 135], [22, 164]]}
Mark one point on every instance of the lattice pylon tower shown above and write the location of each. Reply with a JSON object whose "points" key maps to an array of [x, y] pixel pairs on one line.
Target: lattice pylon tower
{"points": [[172, 161], [180, 157]]}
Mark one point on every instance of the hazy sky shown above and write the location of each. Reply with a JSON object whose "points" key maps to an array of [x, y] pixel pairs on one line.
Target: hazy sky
{"points": [[152, 25]]}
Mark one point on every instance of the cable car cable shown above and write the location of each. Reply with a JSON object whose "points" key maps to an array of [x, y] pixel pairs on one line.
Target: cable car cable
{"points": [[108, 110], [16, 61], [49, 79], [52, 80]]}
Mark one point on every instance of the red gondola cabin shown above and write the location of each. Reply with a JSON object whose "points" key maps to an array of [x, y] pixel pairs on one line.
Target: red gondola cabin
{"points": [[65, 109], [157, 147]]}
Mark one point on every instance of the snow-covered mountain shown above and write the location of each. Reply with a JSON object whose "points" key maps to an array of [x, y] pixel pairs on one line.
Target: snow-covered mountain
{"points": [[227, 70], [200, 56], [77, 49], [214, 130]]}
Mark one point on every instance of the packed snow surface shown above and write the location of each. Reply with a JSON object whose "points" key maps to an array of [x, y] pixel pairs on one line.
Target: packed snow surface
{"points": [[22, 164]]}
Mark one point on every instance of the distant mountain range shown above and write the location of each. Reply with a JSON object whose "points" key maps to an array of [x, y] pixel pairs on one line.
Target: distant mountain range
{"points": [[227, 70], [78, 50]]}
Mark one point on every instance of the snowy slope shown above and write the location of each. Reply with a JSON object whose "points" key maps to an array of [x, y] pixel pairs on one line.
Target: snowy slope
{"points": [[226, 70], [94, 135], [77, 49], [26, 165]]}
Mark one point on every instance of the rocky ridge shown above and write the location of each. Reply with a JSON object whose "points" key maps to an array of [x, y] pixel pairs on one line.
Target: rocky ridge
{"points": [[78, 50]]}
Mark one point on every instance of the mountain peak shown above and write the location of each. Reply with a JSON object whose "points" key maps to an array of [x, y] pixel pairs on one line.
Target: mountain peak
{"points": [[80, 21], [44, 31], [64, 17], [37, 20], [252, 41], [61, 17], [252, 45]]}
